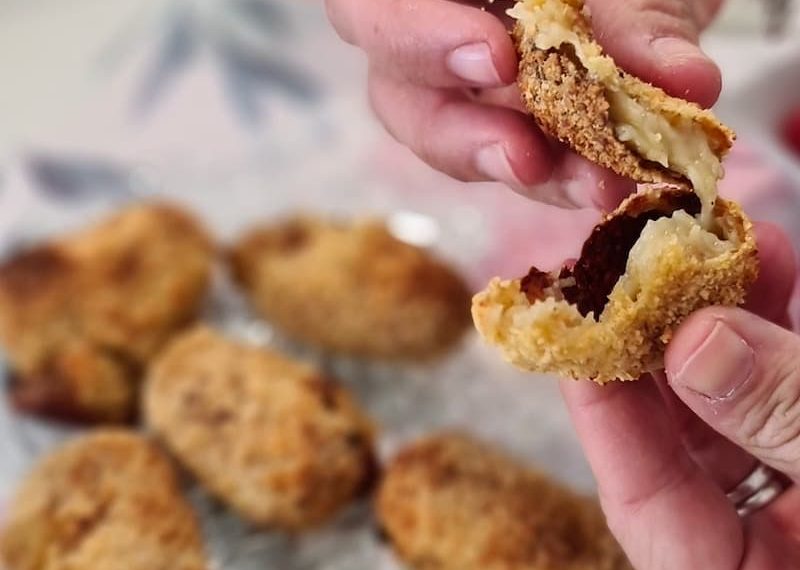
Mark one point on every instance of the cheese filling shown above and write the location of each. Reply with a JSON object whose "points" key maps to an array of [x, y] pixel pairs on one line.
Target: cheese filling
{"points": [[661, 234], [676, 143], [679, 145], [657, 239]]}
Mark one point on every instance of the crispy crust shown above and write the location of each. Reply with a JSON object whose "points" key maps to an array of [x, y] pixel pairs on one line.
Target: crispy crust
{"points": [[611, 315], [281, 444], [629, 337], [452, 503], [572, 106], [605, 253], [78, 384], [352, 288], [105, 500], [81, 316]]}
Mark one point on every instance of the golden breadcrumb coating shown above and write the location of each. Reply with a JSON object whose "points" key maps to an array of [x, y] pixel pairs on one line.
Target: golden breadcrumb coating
{"points": [[673, 269], [572, 104], [81, 316], [105, 500], [651, 262], [352, 288], [78, 382], [280, 443], [453, 503]]}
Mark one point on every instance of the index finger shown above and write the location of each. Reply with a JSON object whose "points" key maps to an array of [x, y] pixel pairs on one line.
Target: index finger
{"points": [[433, 43], [654, 495], [657, 40]]}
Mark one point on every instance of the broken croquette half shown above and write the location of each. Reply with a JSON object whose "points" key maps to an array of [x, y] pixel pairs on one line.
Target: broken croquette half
{"points": [[573, 326]]}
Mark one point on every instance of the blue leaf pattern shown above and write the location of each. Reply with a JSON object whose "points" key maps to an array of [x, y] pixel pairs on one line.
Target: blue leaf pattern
{"points": [[268, 72], [267, 16], [177, 47], [70, 179], [247, 73]]}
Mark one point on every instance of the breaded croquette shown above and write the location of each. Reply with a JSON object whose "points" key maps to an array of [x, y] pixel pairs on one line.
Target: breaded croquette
{"points": [[352, 288], [450, 502], [644, 269], [280, 443], [81, 316], [578, 94], [661, 255], [108, 500]]}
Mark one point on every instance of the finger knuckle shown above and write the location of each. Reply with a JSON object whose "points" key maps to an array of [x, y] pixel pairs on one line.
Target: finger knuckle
{"points": [[392, 25], [424, 136], [399, 53], [381, 110], [773, 427], [331, 7], [423, 146], [339, 14], [677, 473], [373, 97]]}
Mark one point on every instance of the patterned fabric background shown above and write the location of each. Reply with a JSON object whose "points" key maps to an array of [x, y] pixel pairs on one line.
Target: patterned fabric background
{"points": [[244, 109]]}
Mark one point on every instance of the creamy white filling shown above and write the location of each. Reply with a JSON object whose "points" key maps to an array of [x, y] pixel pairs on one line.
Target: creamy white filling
{"points": [[556, 290], [662, 234], [551, 24], [676, 143], [658, 237]]}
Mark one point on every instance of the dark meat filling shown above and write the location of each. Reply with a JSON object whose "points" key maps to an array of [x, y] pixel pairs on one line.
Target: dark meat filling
{"points": [[535, 283], [604, 256]]}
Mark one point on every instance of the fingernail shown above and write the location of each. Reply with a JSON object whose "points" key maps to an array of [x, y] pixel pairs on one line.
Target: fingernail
{"points": [[492, 161], [720, 365], [473, 63], [677, 50]]}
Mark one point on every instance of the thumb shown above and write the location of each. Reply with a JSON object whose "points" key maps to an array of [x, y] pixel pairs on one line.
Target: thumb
{"points": [[741, 375], [657, 41]]}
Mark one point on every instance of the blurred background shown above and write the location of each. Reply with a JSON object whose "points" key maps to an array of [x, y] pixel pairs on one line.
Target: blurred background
{"points": [[246, 109], [256, 104]]}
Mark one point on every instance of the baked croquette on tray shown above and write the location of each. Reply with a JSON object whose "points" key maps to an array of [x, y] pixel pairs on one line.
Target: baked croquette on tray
{"points": [[671, 249], [280, 443], [449, 502], [81, 316], [352, 288], [107, 500]]}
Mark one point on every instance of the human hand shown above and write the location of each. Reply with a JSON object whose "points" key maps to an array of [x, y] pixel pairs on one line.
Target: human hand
{"points": [[442, 79], [665, 451]]}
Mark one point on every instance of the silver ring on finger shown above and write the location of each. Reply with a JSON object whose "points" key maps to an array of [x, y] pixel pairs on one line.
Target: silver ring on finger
{"points": [[759, 489]]}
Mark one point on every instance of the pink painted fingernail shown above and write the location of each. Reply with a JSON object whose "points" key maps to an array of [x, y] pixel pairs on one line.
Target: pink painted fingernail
{"points": [[492, 161], [719, 366], [473, 63]]}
